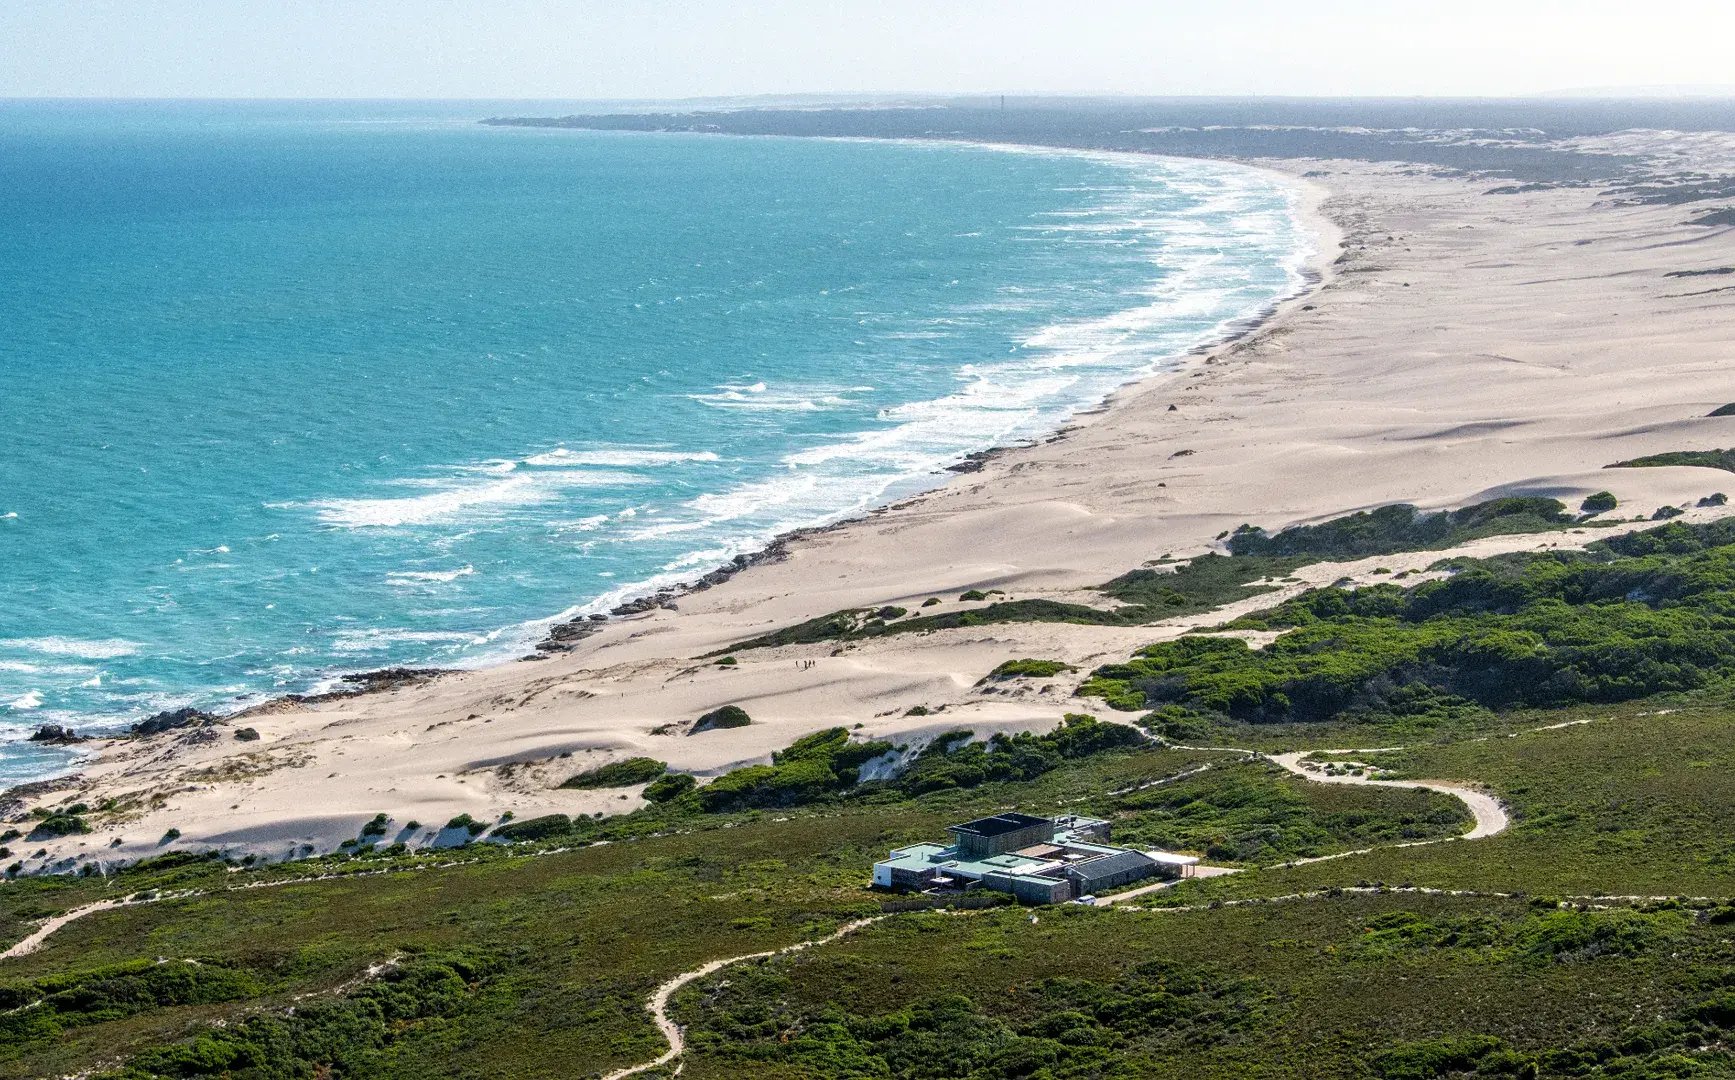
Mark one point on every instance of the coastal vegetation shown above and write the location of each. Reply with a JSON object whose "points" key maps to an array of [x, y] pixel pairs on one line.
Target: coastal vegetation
{"points": [[1703, 459], [625, 773], [1629, 617], [521, 958], [1401, 527], [1257, 562], [720, 719], [1600, 502], [1029, 669]]}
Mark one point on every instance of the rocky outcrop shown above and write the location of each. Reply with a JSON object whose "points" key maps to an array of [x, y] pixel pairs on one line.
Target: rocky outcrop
{"points": [[56, 735], [565, 636], [172, 720]]}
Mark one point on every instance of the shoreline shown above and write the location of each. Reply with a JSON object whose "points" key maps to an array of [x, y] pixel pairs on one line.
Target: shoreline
{"points": [[1462, 346], [565, 630]]}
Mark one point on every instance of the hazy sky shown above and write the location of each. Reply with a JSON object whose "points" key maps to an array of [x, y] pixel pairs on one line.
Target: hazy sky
{"points": [[662, 48]]}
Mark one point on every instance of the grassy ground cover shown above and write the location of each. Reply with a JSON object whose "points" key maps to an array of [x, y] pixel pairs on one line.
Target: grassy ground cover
{"points": [[532, 961], [560, 950], [1393, 986], [1165, 590], [1630, 617]]}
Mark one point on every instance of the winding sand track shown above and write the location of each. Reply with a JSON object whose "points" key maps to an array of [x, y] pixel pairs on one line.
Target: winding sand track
{"points": [[1490, 815], [42, 933], [659, 1003]]}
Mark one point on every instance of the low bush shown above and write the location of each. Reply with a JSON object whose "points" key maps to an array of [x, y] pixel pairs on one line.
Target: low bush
{"points": [[625, 773], [536, 828], [729, 716], [1401, 527], [1029, 669], [468, 824], [349, 1036], [810, 768], [668, 787], [1704, 459]]}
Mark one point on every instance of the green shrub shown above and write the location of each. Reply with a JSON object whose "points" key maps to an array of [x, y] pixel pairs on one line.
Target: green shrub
{"points": [[375, 827], [727, 661], [729, 716], [60, 823], [668, 787], [625, 773], [349, 1036], [1599, 503], [1029, 669], [1401, 527], [811, 768], [1704, 459], [468, 824], [536, 828], [1454, 1055], [1631, 616], [41, 1008]]}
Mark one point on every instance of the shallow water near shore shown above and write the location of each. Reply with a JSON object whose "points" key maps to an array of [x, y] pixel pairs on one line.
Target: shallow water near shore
{"points": [[293, 390]]}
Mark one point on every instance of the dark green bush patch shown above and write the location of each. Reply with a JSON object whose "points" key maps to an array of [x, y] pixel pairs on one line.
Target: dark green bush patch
{"points": [[1704, 459], [536, 828], [625, 773], [1052, 1027], [1028, 669], [729, 716], [668, 787], [1599, 503], [43, 1008], [1631, 616], [1402, 527], [809, 769], [345, 1037]]}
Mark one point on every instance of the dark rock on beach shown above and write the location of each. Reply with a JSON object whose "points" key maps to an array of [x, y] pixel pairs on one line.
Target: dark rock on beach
{"points": [[565, 636], [370, 682], [56, 735], [171, 721]]}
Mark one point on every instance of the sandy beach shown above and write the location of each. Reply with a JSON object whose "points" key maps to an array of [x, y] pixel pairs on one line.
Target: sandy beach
{"points": [[1459, 345]]}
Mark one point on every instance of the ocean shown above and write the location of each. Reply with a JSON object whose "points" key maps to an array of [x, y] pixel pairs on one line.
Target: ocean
{"points": [[291, 390]]}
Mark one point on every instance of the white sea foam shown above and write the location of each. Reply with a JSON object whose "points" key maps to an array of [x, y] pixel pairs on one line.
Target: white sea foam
{"points": [[427, 577], [1212, 233], [9, 515], [31, 700], [464, 501], [104, 649], [376, 640], [757, 397], [619, 458]]}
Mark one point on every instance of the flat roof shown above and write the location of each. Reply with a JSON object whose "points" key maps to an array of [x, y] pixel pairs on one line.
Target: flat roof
{"points": [[1000, 824]]}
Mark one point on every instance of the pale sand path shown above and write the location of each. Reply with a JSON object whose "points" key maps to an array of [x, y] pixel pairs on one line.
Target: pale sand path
{"points": [[1467, 345], [42, 933], [659, 1002]]}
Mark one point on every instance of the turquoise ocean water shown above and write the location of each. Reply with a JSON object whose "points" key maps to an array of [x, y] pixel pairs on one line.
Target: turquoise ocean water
{"points": [[294, 390]]}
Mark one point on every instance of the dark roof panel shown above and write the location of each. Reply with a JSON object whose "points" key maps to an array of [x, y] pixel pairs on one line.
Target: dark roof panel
{"points": [[1000, 824]]}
